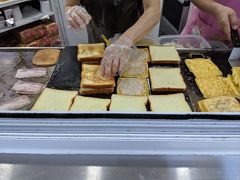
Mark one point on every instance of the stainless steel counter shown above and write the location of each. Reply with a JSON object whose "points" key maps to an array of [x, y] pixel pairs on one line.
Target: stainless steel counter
{"points": [[155, 168]]}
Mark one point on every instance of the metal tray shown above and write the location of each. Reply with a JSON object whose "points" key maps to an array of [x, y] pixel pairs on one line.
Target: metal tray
{"points": [[8, 71], [67, 73]]}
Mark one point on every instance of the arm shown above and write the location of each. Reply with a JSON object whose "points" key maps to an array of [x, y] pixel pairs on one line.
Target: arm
{"points": [[146, 22], [226, 16], [117, 55]]}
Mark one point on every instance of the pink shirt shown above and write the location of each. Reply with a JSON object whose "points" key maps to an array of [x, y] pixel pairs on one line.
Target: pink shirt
{"points": [[204, 24]]}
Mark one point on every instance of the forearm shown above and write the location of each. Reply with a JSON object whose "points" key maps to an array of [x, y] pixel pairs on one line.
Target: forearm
{"points": [[209, 6], [146, 22], [70, 3]]}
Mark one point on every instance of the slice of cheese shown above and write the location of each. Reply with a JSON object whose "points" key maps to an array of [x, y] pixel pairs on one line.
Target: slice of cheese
{"points": [[169, 103], [90, 104], [128, 103], [220, 104], [132, 87], [167, 80], [203, 68], [164, 55], [54, 100], [214, 87]]}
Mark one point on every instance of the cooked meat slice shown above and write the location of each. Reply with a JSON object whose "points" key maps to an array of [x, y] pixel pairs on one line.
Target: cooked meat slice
{"points": [[31, 73], [22, 87], [16, 103]]}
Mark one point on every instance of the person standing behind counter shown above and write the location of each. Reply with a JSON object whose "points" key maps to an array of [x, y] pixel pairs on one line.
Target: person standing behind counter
{"points": [[213, 19], [131, 18]]}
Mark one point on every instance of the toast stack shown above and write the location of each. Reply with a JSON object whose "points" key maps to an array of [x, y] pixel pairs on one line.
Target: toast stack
{"points": [[93, 83]]}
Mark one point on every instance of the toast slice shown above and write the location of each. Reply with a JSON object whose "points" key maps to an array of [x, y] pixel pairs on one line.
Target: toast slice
{"points": [[220, 104], [214, 87], [93, 91], [169, 103], [90, 53], [54, 100], [90, 104], [121, 103], [90, 79], [203, 68], [132, 87], [164, 55], [46, 57], [167, 80]]}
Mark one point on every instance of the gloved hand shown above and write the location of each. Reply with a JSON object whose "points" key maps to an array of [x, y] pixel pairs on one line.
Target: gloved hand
{"points": [[77, 17], [227, 18], [115, 57]]}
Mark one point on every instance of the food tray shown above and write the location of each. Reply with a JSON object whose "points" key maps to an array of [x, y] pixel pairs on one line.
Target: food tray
{"points": [[185, 41], [67, 73], [22, 59]]}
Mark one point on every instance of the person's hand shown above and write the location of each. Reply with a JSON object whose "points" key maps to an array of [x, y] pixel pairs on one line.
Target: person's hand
{"points": [[227, 19], [77, 17], [115, 58]]}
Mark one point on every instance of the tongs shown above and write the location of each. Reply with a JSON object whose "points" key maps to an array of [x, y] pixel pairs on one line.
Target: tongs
{"points": [[234, 58]]}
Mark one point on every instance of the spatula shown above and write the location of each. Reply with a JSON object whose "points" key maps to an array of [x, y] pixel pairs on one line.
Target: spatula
{"points": [[234, 58]]}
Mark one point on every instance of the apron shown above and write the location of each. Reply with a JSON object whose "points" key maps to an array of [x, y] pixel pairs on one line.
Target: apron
{"points": [[110, 17], [206, 25]]}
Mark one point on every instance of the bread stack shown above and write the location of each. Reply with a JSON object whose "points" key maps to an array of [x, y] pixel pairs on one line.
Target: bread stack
{"points": [[93, 83]]}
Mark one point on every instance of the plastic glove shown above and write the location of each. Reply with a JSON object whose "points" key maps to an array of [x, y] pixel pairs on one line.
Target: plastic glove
{"points": [[227, 18], [77, 17], [115, 57]]}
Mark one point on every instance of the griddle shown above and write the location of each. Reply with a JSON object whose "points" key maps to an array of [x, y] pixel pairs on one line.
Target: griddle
{"points": [[24, 58], [67, 73]]}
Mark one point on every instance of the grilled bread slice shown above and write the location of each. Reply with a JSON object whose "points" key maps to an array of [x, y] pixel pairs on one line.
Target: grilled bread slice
{"points": [[169, 103], [91, 79], [90, 53], [90, 104], [167, 80], [46, 57], [121, 103], [54, 100], [164, 55]]}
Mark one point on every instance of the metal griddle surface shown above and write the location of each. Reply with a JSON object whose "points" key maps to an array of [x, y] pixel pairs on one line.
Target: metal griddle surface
{"points": [[8, 69], [67, 73]]}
